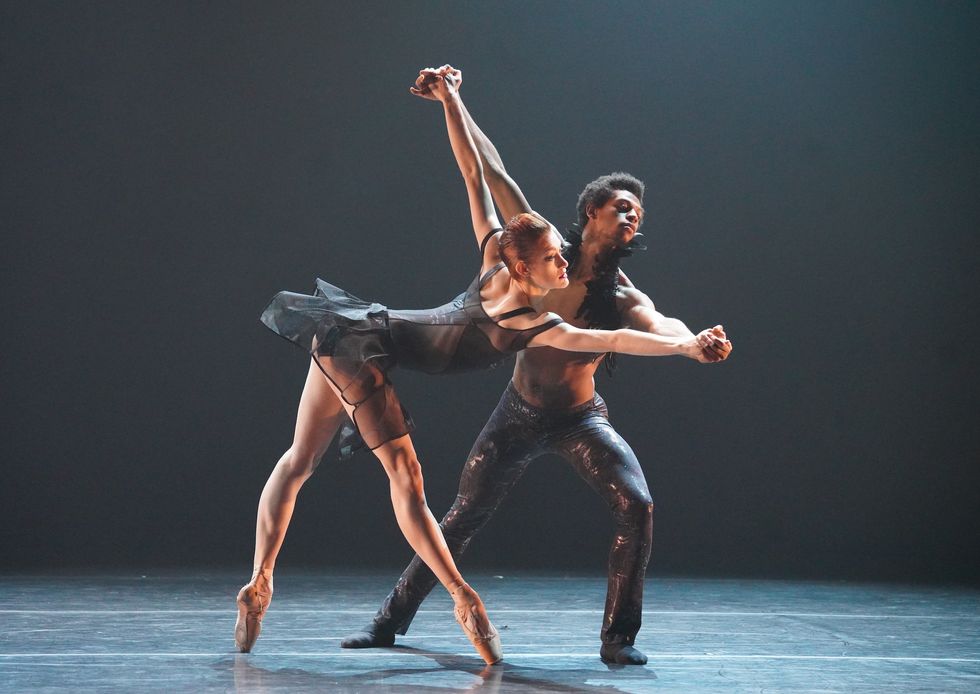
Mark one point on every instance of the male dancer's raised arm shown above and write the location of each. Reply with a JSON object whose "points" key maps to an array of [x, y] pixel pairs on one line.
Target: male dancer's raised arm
{"points": [[506, 193], [483, 215]]}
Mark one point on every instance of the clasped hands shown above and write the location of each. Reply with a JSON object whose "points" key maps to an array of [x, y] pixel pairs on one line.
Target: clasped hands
{"points": [[714, 345], [431, 80]]}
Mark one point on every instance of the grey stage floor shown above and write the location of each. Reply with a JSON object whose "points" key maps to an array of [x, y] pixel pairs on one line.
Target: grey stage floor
{"points": [[173, 631]]}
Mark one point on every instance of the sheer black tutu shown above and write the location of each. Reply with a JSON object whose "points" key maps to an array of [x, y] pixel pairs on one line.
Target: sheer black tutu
{"points": [[352, 336]]}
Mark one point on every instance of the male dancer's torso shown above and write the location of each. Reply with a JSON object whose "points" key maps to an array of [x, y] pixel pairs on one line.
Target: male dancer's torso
{"points": [[551, 378]]}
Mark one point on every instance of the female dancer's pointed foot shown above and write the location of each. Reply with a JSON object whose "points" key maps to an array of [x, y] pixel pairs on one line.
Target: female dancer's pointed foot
{"points": [[253, 600], [472, 616], [621, 654]]}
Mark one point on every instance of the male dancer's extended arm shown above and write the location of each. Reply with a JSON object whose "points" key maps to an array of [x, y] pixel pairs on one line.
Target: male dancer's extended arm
{"points": [[506, 193], [639, 313], [444, 88]]}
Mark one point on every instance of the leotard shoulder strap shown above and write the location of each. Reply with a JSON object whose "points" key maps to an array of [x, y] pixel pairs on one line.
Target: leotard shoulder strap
{"points": [[515, 312], [490, 273], [529, 334], [486, 239]]}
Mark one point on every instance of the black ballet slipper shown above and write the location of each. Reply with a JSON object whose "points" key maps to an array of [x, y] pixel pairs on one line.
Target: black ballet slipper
{"points": [[621, 654], [372, 636]]}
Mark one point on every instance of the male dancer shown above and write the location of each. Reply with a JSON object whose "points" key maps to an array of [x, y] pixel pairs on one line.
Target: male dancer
{"points": [[551, 406]]}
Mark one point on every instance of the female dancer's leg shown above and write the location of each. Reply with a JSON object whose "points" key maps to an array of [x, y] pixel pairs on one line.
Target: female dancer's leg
{"points": [[317, 420], [414, 518], [423, 533]]}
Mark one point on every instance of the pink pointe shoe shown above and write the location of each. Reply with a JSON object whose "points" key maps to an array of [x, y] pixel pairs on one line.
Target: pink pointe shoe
{"points": [[472, 617], [252, 604]]}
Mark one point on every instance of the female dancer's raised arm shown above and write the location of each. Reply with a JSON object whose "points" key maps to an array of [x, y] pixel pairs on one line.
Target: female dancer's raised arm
{"points": [[482, 211]]}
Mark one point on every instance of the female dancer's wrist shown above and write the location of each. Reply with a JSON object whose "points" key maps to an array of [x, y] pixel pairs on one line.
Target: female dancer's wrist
{"points": [[454, 585]]}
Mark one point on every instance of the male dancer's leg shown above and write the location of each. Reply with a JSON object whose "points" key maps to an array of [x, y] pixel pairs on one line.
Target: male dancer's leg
{"points": [[607, 463], [497, 460]]}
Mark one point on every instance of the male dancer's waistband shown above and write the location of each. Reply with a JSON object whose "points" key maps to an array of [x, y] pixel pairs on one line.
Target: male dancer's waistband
{"points": [[516, 402]]}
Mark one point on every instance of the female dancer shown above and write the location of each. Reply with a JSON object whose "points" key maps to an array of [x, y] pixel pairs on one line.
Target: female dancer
{"points": [[354, 344]]}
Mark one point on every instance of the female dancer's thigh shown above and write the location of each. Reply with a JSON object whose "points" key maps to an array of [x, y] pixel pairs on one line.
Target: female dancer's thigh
{"points": [[377, 414], [370, 401], [318, 417]]}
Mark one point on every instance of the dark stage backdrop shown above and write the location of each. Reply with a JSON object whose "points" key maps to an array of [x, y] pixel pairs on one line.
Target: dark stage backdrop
{"points": [[812, 174]]}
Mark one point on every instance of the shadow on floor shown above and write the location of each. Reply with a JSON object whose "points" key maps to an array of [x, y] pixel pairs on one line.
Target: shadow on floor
{"points": [[445, 672]]}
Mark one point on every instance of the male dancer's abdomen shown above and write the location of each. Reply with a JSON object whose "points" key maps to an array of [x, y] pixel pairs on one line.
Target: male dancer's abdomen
{"points": [[554, 379]]}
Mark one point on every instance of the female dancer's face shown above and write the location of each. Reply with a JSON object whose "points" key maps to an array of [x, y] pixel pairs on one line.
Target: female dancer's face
{"points": [[546, 266]]}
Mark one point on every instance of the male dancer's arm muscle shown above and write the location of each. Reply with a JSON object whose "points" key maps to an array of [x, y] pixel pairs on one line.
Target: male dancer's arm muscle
{"points": [[639, 313], [506, 193]]}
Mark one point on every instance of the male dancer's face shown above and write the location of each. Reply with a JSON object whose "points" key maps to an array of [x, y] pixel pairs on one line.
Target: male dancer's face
{"points": [[615, 223]]}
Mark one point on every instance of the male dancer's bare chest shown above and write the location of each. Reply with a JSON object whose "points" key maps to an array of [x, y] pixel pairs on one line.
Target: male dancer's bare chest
{"points": [[566, 303], [554, 378]]}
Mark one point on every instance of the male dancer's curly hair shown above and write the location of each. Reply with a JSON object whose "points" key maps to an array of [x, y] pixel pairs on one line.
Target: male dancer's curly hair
{"points": [[599, 305], [600, 190]]}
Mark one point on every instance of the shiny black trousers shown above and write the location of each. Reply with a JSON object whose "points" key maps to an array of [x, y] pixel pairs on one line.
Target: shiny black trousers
{"points": [[516, 434]]}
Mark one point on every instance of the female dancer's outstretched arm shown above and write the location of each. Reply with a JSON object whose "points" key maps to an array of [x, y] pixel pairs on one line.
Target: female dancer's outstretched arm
{"points": [[704, 347]]}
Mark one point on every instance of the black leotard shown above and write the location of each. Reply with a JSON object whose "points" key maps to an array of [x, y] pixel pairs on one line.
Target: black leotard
{"points": [[359, 342]]}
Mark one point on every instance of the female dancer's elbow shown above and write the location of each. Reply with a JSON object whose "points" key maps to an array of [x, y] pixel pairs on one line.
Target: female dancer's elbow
{"points": [[616, 341]]}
